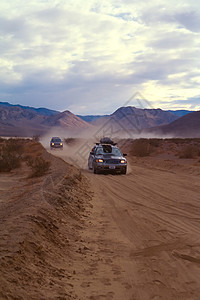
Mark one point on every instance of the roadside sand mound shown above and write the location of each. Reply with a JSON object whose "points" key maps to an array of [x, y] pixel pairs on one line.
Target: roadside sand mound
{"points": [[40, 223]]}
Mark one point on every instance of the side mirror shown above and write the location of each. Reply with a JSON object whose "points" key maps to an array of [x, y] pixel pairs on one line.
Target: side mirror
{"points": [[92, 152], [124, 154]]}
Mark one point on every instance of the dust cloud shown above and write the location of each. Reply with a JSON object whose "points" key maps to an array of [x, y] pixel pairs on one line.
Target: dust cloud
{"points": [[77, 151]]}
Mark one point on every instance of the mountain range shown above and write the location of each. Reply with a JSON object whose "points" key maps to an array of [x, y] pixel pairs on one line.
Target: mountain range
{"points": [[180, 113], [136, 119], [91, 118], [40, 111], [186, 126], [18, 120]]}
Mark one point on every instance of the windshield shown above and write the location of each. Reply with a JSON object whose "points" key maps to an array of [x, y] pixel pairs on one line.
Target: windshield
{"points": [[107, 149], [58, 140], [116, 152]]}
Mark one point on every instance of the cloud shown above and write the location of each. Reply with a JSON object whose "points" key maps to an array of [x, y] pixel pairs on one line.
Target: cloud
{"points": [[192, 103], [189, 19], [179, 17], [92, 56], [172, 41]]}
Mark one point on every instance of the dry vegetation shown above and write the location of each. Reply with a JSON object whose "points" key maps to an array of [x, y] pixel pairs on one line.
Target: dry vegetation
{"points": [[38, 165], [189, 151], [11, 151], [144, 147], [183, 148], [70, 141], [141, 148], [14, 152]]}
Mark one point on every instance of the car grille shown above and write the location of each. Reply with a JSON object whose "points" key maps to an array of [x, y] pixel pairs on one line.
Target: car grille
{"points": [[112, 161]]}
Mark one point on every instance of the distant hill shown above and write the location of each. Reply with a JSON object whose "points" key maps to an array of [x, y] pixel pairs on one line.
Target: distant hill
{"points": [[90, 118], [186, 126], [180, 113], [136, 119], [40, 111], [66, 119], [19, 121], [16, 121]]}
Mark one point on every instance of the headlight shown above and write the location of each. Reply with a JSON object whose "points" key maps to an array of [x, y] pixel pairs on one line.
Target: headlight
{"points": [[122, 161], [60, 144], [52, 144], [99, 160]]}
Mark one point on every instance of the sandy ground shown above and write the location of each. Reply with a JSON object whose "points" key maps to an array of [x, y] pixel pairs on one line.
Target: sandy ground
{"points": [[132, 237], [144, 237]]}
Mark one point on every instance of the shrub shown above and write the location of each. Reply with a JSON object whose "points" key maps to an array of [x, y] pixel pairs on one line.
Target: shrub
{"points": [[70, 141], [38, 165], [8, 162], [141, 148], [15, 146], [36, 138], [155, 142], [33, 149], [189, 151], [10, 155]]}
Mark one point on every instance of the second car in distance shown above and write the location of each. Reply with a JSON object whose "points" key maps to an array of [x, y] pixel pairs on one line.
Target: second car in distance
{"points": [[56, 142]]}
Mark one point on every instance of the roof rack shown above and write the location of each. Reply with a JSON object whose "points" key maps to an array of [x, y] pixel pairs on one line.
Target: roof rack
{"points": [[106, 140]]}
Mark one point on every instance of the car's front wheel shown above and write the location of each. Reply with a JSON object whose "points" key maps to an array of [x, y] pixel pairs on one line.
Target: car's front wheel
{"points": [[95, 170], [124, 171]]}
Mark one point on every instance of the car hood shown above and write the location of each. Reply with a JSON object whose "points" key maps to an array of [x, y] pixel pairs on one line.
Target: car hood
{"points": [[110, 156]]}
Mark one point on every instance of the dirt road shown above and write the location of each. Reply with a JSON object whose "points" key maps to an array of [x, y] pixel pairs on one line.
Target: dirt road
{"points": [[143, 237]]}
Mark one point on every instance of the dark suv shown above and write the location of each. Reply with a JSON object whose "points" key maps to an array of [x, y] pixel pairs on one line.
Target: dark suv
{"points": [[56, 142], [107, 158]]}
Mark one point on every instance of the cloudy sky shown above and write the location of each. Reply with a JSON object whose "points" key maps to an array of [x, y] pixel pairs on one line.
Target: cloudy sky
{"points": [[92, 57]]}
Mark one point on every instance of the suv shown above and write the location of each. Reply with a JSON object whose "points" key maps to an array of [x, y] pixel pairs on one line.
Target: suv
{"points": [[56, 142], [107, 157]]}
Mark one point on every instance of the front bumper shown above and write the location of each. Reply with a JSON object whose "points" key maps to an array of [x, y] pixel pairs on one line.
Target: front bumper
{"points": [[111, 167], [56, 146]]}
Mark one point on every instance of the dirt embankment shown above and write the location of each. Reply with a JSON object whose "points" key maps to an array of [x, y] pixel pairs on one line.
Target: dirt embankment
{"points": [[40, 222]]}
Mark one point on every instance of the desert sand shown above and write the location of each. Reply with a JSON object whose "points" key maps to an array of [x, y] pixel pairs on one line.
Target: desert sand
{"points": [[72, 235]]}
